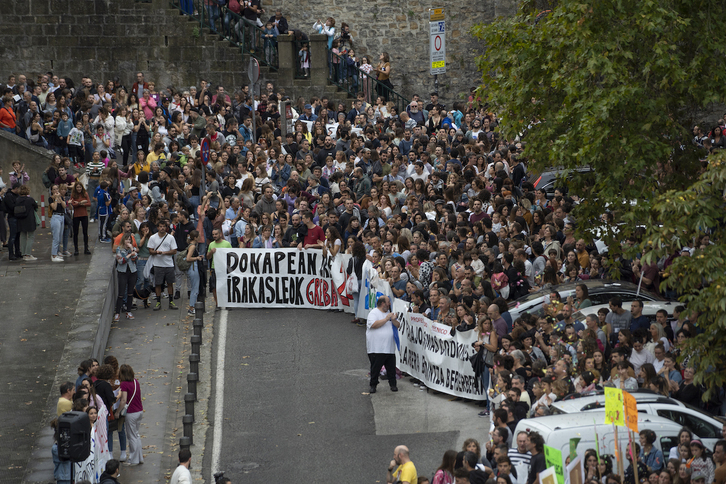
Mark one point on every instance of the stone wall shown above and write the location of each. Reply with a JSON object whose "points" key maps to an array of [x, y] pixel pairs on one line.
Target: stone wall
{"points": [[108, 38], [35, 159], [401, 28]]}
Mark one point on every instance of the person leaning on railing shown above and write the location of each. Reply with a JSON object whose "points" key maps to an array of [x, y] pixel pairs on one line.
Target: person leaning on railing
{"points": [[383, 71]]}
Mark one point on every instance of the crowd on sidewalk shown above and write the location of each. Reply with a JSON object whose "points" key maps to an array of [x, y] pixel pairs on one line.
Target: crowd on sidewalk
{"points": [[436, 197]]}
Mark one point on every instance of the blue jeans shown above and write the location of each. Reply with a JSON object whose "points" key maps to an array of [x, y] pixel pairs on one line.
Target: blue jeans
{"points": [[485, 385], [194, 201], [356, 298], [187, 7], [121, 438], [193, 275], [141, 283], [56, 227], [213, 15], [91, 189]]}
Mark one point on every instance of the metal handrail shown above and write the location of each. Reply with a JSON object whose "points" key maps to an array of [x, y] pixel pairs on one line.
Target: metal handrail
{"points": [[352, 79], [232, 27]]}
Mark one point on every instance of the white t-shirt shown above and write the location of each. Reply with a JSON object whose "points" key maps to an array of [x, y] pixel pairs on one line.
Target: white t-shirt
{"points": [[169, 243], [379, 340]]}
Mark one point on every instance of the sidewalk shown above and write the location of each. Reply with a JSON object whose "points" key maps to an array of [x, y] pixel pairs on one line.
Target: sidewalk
{"points": [[157, 346]]}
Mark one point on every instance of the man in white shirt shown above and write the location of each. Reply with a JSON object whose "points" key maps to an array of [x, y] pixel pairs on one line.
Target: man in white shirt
{"points": [[181, 474], [162, 246], [380, 345]]}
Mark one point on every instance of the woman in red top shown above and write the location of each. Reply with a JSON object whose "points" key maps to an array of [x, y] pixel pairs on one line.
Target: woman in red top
{"points": [[7, 115], [131, 395], [80, 201]]}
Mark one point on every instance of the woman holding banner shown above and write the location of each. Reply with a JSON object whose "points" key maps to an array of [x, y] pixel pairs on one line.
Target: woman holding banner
{"points": [[487, 340], [355, 268], [333, 242]]}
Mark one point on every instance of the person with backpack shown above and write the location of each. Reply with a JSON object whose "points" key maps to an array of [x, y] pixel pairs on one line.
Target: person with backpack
{"points": [[126, 254], [103, 199], [189, 261]]}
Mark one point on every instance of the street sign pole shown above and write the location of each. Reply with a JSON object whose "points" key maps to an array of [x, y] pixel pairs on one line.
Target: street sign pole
{"points": [[253, 73], [437, 44]]}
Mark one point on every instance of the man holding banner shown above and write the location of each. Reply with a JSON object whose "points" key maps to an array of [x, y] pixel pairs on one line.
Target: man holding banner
{"points": [[381, 343]]}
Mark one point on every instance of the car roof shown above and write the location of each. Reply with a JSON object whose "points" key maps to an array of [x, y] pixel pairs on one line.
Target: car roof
{"points": [[587, 419], [578, 404], [593, 286], [650, 308]]}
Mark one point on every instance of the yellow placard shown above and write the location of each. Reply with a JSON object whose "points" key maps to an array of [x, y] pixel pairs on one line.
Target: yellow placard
{"points": [[631, 411], [614, 407], [435, 65], [436, 14]]}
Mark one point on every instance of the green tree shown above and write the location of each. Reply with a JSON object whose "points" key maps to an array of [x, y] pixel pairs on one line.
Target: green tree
{"points": [[617, 85]]}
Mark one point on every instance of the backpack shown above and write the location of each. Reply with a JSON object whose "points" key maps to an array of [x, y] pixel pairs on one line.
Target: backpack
{"points": [[181, 261], [47, 183]]}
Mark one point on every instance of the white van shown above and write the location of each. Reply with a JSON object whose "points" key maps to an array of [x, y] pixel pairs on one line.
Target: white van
{"points": [[557, 430], [705, 426]]}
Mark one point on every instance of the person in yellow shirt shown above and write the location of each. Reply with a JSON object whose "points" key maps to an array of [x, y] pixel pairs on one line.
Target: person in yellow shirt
{"points": [[406, 471], [140, 165], [65, 402], [157, 155]]}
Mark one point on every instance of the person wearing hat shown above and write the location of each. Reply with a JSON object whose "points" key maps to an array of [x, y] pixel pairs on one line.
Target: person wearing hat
{"points": [[700, 463], [308, 114], [131, 197], [698, 477]]}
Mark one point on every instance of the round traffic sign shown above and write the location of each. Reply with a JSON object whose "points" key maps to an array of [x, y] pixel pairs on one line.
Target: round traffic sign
{"points": [[253, 70], [204, 148], [437, 42]]}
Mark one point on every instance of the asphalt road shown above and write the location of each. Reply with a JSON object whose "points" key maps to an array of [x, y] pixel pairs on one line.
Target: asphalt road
{"points": [[37, 304], [296, 405]]}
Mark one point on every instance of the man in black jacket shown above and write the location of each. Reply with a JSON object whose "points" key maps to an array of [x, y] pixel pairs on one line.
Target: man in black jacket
{"points": [[111, 473], [280, 22], [14, 236]]}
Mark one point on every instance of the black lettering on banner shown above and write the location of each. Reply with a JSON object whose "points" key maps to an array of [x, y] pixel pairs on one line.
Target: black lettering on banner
{"points": [[267, 264], [299, 300], [283, 283], [269, 281], [232, 261], [291, 263], [254, 263], [243, 261], [301, 265], [251, 289], [245, 293], [325, 268], [261, 290], [312, 263], [279, 256], [233, 294]]}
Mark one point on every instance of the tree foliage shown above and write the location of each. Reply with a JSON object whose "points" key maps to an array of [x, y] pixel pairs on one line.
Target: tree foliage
{"points": [[617, 85]]}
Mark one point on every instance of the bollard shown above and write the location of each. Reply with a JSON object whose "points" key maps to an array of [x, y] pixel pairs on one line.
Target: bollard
{"points": [[194, 363], [192, 379], [189, 403], [196, 343], [188, 420], [199, 307], [185, 443], [198, 325]]}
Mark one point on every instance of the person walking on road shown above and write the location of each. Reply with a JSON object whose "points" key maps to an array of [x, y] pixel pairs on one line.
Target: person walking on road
{"points": [[181, 474], [380, 343], [163, 248], [219, 242]]}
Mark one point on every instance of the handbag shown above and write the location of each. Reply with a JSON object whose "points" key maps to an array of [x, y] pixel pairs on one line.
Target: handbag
{"points": [[37, 219], [20, 211], [126, 407], [181, 261], [351, 285]]}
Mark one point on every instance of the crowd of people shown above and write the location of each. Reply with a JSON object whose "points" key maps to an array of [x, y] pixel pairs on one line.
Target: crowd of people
{"points": [[442, 204], [520, 459], [111, 396]]}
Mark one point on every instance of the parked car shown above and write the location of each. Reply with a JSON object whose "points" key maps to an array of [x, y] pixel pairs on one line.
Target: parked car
{"points": [[650, 308], [600, 291], [557, 430], [555, 178], [707, 427]]}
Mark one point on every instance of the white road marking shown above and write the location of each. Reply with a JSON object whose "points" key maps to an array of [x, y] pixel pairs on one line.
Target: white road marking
{"points": [[219, 393]]}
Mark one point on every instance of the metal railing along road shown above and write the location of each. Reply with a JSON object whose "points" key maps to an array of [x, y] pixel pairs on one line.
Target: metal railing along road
{"points": [[347, 75], [233, 27]]}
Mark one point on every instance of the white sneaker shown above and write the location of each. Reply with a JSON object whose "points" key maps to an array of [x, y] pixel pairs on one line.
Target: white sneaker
{"points": [[29, 257], [123, 456], [56, 258]]}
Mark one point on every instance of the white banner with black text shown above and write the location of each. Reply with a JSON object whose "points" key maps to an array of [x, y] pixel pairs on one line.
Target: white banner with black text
{"points": [[430, 354]]}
